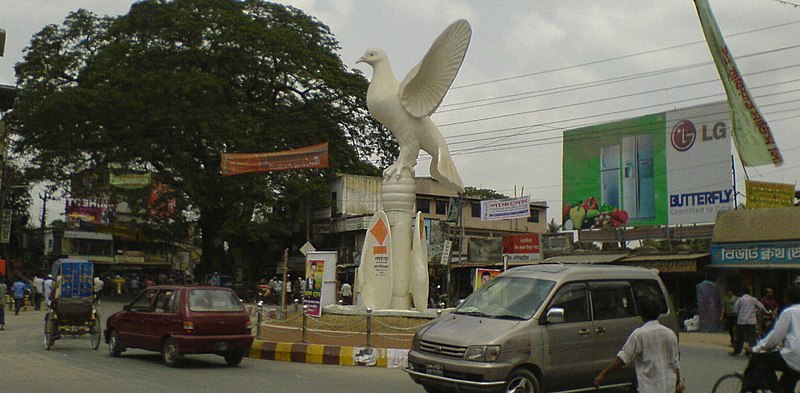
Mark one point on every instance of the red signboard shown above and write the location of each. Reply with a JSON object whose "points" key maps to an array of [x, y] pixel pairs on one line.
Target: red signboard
{"points": [[527, 243]]}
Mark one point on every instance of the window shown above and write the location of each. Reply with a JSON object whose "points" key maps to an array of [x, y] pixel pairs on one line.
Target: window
{"points": [[572, 298], [166, 301], [649, 288], [216, 300], [612, 300], [441, 207], [534, 217], [508, 297], [144, 302], [424, 205], [476, 209]]}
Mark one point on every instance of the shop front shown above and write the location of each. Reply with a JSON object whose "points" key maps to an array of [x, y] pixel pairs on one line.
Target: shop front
{"points": [[757, 249]]}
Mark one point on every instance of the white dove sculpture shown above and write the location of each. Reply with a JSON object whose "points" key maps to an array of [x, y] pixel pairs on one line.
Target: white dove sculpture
{"points": [[405, 107]]}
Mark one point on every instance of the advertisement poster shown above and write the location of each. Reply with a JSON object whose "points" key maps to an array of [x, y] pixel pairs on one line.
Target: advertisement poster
{"points": [[482, 276], [90, 210], [667, 168], [315, 270], [485, 249], [761, 194]]}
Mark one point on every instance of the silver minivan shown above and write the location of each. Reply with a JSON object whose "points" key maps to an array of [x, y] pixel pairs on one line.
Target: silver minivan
{"points": [[538, 328]]}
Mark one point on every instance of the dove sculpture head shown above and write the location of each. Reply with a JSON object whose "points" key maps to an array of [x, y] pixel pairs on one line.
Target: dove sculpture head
{"points": [[372, 56]]}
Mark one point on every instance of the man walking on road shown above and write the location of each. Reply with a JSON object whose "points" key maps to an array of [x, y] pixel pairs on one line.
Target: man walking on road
{"points": [[3, 292], [746, 309], [18, 291], [38, 292], [653, 350]]}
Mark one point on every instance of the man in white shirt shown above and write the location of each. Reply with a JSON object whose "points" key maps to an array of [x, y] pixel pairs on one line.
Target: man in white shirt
{"points": [[785, 332], [653, 350], [746, 308], [38, 292], [48, 289], [347, 293]]}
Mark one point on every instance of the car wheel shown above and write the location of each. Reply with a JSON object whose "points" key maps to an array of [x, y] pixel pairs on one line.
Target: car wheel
{"points": [[170, 354], [114, 347], [432, 390], [522, 381], [233, 358]]}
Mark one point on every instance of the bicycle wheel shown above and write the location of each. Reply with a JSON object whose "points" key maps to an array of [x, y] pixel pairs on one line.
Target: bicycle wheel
{"points": [[731, 383], [94, 332], [49, 331]]}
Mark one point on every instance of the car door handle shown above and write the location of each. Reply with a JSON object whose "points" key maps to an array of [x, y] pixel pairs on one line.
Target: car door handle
{"points": [[600, 330], [584, 332]]}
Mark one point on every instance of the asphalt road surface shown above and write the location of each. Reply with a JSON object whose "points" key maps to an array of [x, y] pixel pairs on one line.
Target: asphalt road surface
{"points": [[72, 366]]}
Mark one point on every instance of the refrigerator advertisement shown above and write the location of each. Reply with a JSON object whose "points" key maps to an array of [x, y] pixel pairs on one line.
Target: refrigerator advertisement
{"points": [[667, 168]]}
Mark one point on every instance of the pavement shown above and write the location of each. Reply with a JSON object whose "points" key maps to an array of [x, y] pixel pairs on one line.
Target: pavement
{"points": [[705, 339]]}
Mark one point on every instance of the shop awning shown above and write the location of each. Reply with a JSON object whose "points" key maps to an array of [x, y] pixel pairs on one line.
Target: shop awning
{"points": [[757, 225], [667, 263]]}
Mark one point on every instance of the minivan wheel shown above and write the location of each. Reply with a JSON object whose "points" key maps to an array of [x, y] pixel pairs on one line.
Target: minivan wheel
{"points": [[432, 390], [170, 354], [522, 381]]}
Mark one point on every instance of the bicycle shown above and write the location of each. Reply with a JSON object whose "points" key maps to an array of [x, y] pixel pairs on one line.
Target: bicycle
{"points": [[762, 381]]}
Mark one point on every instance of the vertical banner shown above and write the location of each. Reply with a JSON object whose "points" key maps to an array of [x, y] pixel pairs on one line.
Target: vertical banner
{"points": [[315, 269], [483, 276], [751, 133], [5, 227]]}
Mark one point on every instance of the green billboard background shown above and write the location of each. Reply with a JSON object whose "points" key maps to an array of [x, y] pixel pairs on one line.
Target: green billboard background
{"points": [[581, 173]]}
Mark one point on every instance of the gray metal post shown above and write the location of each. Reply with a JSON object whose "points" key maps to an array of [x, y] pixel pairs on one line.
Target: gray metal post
{"points": [[369, 326]]}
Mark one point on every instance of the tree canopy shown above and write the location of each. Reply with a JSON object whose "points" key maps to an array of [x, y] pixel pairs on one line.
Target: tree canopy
{"points": [[173, 84]]}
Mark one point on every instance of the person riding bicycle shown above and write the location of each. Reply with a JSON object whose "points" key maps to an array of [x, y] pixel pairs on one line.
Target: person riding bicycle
{"points": [[785, 335]]}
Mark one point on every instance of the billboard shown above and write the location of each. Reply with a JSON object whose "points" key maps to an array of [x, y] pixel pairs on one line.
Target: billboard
{"points": [[522, 248], [667, 168]]}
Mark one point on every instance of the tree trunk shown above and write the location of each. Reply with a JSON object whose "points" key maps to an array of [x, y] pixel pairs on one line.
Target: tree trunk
{"points": [[213, 258]]}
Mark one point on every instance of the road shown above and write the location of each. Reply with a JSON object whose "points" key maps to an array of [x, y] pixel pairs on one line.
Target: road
{"points": [[72, 366]]}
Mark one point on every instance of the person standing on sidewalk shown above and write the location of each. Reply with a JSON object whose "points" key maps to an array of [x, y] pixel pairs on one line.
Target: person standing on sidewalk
{"points": [[728, 314], [3, 293], [746, 308], [18, 291]]}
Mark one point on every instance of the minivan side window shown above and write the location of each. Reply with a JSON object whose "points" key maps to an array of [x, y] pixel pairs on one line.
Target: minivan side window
{"points": [[572, 298], [651, 289], [612, 300]]}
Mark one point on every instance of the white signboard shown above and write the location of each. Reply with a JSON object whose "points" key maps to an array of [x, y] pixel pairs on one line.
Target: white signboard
{"points": [[504, 209], [448, 245]]}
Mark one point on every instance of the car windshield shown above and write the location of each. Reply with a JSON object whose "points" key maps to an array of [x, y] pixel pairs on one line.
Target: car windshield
{"points": [[208, 300], [507, 297]]}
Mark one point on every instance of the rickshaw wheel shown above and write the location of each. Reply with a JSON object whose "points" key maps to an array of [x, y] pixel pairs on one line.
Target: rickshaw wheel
{"points": [[49, 331], [94, 331]]}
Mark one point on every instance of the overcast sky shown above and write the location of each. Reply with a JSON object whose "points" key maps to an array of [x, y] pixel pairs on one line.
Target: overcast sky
{"points": [[537, 68]]}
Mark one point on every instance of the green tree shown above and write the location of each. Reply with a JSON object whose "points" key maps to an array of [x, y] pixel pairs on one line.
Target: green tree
{"points": [[172, 85], [483, 193]]}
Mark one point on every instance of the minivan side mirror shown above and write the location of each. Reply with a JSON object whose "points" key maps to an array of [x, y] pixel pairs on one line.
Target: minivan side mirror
{"points": [[555, 315]]}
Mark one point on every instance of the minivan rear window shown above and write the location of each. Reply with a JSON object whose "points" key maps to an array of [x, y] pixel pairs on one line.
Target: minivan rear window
{"points": [[507, 298], [214, 300]]}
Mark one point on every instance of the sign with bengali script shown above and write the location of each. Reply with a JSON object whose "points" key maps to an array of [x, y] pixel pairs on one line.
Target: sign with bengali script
{"points": [[762, 194], [773, 253], [315, 156]]}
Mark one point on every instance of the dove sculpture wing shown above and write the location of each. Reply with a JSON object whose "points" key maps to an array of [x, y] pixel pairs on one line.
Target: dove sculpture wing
{"points": [[425, 86]]}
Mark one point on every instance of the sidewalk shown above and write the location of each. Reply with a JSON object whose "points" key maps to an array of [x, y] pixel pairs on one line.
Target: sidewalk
{"points": [[705, 339]]}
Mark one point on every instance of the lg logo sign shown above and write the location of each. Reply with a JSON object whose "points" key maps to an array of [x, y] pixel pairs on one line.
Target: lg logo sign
{"points": [[684, 134]]}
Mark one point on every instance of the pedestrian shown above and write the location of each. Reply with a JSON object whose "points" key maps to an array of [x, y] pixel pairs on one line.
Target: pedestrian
{"points": [[38, 292], [769, 302], [786, 335], [347, 293], [48, 290], [3, 292], [728, 316], [653, 350], [97, 288], [746, 308], [18, 291]]}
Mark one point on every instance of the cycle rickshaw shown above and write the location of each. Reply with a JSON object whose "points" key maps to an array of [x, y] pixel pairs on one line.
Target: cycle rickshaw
{"points": [[72, 311]]}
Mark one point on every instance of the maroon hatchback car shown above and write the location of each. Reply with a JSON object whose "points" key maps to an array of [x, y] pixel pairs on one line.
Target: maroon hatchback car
{"points": [[179, 319]]}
